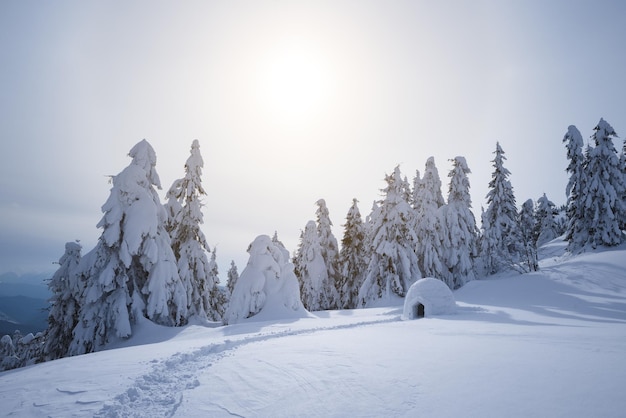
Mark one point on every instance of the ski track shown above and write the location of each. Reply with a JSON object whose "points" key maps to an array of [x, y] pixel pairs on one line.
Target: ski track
{"points": [[160, 392]]}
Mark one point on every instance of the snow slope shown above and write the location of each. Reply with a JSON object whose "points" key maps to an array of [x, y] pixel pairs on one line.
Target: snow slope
{"points": [[550, 343]]}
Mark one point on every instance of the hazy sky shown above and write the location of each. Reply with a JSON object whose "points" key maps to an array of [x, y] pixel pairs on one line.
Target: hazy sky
{"points": [[291, 102]]}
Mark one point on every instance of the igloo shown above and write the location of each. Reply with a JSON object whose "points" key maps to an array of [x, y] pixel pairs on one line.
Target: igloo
{"points": [[428, 297]]}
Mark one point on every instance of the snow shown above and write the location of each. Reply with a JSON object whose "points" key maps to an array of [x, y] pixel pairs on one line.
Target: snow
{"points": [[434, 294], [549, 343], [267, 288]]}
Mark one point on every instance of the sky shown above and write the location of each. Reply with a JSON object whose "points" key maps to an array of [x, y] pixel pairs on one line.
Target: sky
{"points": [[291, 102]]}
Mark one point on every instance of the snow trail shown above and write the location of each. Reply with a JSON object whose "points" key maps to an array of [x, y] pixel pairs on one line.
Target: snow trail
{"points": [[160, 392]]}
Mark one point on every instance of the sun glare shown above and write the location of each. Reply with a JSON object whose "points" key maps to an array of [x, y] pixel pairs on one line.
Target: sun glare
{"points": [[294, 85]]}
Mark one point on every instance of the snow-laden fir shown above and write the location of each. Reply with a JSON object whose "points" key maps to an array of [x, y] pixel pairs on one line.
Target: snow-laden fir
{"points": [[267, 287]]}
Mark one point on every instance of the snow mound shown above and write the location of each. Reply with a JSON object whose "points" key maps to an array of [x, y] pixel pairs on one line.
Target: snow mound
{"points": [[428, 297], [268, 288]]}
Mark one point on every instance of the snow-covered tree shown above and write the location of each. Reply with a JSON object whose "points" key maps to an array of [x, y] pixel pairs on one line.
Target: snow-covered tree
{"points": [[131, 273], [277, 241], [330, 253], [545, 221], [393, 266], [184, 208], [352, 261], [501, 242], [460, 234], [622, 164], [528, 233], [428, 224], [8, 356], [267, 288], [217, 296], [232, 277], [416, 189], [371, 220], [575, 234], [311, 270], [66, 289], [20, 351], [29, 348], [602, 194]]}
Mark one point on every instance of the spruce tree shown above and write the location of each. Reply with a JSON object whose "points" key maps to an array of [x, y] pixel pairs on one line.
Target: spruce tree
{"points": [[417, 185], [428, 224], [460, 234], [528, 233], [189, 244], [277, 241], [501, 240], [66, 289], [217, 296], [131, 273], [232, 277], [8, 356], [545, 221], [622, 164], [603, 191], [352, 258], [311, 270], [393, 266], [575, 234], [330, 252]]}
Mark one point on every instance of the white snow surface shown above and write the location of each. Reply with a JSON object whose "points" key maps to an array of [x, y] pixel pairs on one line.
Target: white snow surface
{"points": [[434, 294], [546, 344]]}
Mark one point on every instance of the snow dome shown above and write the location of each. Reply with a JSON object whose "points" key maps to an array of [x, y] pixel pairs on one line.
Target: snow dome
{"points": [[428, 297], [268, 288]]}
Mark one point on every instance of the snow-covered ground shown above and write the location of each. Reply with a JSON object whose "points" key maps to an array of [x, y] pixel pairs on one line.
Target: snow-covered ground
{"points": [[547, 344]]}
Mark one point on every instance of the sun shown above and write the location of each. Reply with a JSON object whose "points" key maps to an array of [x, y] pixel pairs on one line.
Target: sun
{"points": [[294, 84]]}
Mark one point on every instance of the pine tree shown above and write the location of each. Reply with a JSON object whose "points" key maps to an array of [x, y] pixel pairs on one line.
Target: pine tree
{"points": [[189, 244], [622, 165], [277, 241], [310, 268], [8, 356], [501, 239], [545, 221], [217, 296], [602, 195], [428, 224], [528, 233], [66, 289], [131, 273], [460, 232], [371, 220], [416, 190], [575, 234], [393, 267], [232, 275], [352, 261], [330, 253], [19, 351]]}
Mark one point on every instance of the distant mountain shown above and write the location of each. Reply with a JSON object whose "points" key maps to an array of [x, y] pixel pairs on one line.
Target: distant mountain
{"points": [[30, 285], [23, 302], [23, 313]]}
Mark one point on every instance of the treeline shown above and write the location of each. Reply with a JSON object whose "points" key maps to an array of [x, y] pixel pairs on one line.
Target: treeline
{"points": [[152, 262]]}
